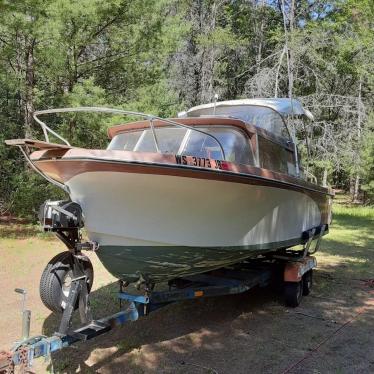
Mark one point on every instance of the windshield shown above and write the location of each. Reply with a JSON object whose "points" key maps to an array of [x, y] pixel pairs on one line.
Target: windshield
{"points": [[188, 142], [263, 117]]}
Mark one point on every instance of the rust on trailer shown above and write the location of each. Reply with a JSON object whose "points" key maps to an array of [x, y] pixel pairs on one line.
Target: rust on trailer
{"points": [[294, 271], [6, 363]]}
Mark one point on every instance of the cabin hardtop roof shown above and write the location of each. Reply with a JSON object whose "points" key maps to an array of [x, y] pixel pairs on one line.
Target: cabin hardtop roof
{"points": [[195, 121], [284, 106]]}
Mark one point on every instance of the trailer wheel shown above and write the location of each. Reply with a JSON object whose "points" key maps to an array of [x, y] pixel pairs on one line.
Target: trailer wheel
{"points": [[56, 280], [293, 293], [307, 282]]}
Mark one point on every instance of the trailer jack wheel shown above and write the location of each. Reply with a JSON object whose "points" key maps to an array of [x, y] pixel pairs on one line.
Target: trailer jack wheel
{"points": [[57, 278], [293, 293]]}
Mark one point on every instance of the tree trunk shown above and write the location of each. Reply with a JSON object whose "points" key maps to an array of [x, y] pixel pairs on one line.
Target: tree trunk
{"points": [[324, 179], [351, 187], [357, 158], [290, 52], [288, 37], [212, 56], [356, 189], [261, 35], [28, 100], [278, 70], [209, 54]]}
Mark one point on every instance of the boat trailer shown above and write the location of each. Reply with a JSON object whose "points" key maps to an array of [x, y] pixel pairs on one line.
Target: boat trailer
{"points": [[231, 280]]}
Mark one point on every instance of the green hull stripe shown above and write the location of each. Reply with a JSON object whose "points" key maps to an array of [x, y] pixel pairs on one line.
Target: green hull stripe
{"points": [[161, 263]]}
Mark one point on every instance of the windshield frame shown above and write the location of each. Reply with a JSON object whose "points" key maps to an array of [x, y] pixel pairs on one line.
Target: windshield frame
{"points": [[244, 133]]}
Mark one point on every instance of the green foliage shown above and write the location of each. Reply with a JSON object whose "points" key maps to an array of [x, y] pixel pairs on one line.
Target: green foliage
{"points": [[158, 99], [160, 57], [85, 130], [30, 192]]}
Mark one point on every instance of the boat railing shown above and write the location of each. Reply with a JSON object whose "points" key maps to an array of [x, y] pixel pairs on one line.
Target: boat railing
{"points": [[151, 118]]}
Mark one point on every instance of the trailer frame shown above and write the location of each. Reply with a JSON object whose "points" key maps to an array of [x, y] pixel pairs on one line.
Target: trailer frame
{"points": [[290, 267]]}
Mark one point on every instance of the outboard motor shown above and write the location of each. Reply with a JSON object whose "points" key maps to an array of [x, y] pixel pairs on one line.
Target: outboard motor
{"points": [[60, 215]]}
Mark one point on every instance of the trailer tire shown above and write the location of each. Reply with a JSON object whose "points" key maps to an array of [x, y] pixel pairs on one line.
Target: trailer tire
{"points": [[307, 282], [54, 286], [293, 293]]}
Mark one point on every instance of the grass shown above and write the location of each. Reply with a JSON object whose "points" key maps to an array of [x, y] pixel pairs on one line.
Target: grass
{"points": [[349, 246], [353, 211], [23, 231]]}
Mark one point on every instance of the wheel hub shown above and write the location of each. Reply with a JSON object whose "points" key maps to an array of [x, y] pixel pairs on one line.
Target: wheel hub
{"points": [[66, 284]]}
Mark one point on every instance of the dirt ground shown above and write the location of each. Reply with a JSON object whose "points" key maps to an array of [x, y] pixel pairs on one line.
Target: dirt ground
{"points": [[331, 332]]}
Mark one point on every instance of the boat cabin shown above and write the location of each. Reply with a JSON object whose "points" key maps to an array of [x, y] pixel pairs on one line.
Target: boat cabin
{"points": [[250, 132], [202, 138]]}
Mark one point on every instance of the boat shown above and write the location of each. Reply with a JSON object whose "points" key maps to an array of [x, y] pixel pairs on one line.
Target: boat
{"points": [[221, 183]]}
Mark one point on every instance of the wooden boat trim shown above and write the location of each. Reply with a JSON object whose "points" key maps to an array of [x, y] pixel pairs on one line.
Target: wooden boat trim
{"points": [[36, 144], [147, 160]]}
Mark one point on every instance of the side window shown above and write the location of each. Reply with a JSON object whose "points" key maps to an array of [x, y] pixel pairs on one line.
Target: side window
{"points": [[146, 143], [275, 157], [169, 140], [126, 141], [235, 144]]}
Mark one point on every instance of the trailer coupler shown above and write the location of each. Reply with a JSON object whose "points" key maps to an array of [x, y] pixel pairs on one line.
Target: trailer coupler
{"points": [[24, 352]]}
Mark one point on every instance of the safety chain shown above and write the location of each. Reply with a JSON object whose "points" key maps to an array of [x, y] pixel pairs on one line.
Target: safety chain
{"points": [[6, 363], [23, 356]]}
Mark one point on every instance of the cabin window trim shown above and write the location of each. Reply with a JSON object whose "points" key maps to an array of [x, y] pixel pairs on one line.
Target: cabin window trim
{"points": [[184, 141], [141, 137], [254, 142]]}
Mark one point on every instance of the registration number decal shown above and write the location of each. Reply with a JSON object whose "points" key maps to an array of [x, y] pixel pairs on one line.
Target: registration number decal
{"points": [[200, 162]]}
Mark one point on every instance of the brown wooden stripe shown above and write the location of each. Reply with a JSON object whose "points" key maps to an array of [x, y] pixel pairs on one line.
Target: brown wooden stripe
{"points": [[169, 160]]}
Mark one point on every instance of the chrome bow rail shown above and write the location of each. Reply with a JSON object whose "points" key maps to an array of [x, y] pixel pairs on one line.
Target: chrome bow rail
{"points": [[149, 117]]}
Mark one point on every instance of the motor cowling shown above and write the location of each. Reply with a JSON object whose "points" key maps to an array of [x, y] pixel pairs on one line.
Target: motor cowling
{"points": [[60, 215]]}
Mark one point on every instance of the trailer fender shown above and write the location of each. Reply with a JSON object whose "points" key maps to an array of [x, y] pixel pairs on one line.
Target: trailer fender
{"points": [[294, 271]]}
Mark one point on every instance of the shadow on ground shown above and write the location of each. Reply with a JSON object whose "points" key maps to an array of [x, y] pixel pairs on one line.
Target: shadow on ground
{"points": [[202, 323], [251, 332]]}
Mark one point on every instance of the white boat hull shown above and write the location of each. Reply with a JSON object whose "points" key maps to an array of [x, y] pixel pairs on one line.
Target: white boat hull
{"points": [[163, 226]]}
